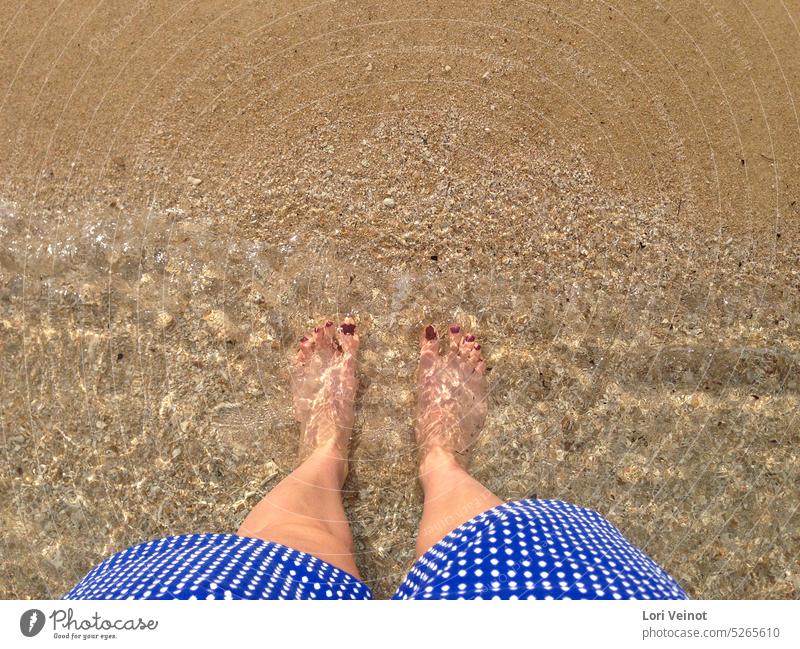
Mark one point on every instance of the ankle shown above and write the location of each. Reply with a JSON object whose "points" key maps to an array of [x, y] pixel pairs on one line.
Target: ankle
{"points": [[329, 459], [436, 461], [331, 448]]}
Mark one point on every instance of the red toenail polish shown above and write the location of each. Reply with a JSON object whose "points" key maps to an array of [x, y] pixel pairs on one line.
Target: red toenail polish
{"points": [[430, 332], [454, 329], [348, 329], [469, 338], [477, 347], [329, 323], [303, 339]]}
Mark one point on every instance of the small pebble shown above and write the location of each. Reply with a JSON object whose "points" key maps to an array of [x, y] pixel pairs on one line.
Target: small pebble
{"points": [[164, 320], [388, 202], [194, 181]]}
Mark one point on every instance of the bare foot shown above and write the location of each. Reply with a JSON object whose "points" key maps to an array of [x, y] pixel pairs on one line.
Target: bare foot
{"points": [[324, 386], [451, 399]]}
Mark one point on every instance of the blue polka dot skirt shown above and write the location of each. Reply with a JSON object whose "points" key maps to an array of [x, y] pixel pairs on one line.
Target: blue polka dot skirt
{"points": [[529, 549]]}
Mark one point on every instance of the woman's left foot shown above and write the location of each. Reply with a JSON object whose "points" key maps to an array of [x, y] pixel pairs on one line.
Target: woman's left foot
{"points": [[324, 387]]}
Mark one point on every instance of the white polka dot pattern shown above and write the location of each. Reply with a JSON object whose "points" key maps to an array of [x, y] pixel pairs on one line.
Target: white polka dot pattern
{"points": [[529, 549], [537, 549], [216, 566]]}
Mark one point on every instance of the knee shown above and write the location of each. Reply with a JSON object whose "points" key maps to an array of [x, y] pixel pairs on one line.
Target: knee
{"points": [[307, 537]]}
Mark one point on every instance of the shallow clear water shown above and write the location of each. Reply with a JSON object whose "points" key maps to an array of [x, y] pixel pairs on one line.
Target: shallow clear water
{"points": [[146, 393]]}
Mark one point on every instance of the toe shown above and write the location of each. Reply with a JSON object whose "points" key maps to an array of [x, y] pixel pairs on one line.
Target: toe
{"points": [[455, 337], [475, 354], [465, 348], [429, 347], [328, 332], [319, 337], [301, 356], [306, 346], [347, 336], [429, 339]]}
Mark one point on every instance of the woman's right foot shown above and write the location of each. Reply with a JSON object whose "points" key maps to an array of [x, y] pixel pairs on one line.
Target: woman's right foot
{"points": [[451, 397], [324, 386]]}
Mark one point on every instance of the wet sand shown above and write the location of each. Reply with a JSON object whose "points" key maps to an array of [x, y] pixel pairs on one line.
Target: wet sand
{"points": [[607, 195]]}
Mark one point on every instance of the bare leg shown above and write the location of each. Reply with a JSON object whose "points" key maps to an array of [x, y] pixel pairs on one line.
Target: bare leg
{"points": [[451, 410], [304, 511]]}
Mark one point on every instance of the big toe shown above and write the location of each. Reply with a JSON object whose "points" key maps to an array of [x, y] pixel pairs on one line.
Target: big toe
{"points": [[347, 336], [429, 349]]}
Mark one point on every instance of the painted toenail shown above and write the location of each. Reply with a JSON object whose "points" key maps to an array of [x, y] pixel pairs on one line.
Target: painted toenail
{"points": [[348, 329], [454, 329], [430, 332], [303, 339], [469, 338], [477, 347], [329, 323]]}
